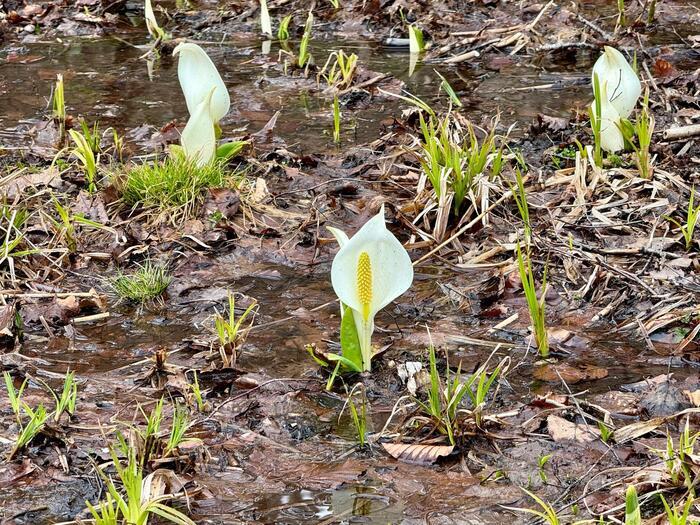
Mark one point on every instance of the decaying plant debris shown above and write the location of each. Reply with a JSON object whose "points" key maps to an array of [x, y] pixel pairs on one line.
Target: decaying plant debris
{"points": [[166, 337]]}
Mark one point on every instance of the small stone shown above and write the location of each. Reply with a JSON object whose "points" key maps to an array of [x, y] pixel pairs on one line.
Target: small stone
{"points": [[29, 28]]}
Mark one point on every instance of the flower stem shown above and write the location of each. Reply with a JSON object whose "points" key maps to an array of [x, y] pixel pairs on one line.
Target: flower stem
{"points": [[366, 345]]}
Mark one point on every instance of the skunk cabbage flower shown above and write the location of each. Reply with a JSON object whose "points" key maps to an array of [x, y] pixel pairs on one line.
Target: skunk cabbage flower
{"points": [[620, 89], [151, 23], [370, 270], [198, 139], [198, 77], [265, 22], [611, 138], [623, 86]]}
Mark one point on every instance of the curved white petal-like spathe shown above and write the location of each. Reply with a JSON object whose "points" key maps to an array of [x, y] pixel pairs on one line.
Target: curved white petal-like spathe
{"points": [[265, 22], [390, 264], [611, 138], [623, 85], [198, 76], [151, 23], [198, 139], [339, 235]]}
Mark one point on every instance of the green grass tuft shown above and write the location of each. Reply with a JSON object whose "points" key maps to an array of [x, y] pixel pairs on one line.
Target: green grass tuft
{"points": [[174, 185], [145, 284]]}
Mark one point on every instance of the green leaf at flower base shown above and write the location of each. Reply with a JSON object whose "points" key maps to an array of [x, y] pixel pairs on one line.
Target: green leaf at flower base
{"points": [[230, 149], [349, 340], [345, 363]]}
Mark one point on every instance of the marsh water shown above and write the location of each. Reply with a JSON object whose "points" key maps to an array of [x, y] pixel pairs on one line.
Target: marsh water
{"points": [[108, 81]]}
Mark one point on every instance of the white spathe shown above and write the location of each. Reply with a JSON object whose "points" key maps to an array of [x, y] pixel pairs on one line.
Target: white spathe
{"points": [[151, 23], [198, 139], [611, 138], [198, 76], [370, 270], [339, 235], [620, 89], [620, 80], [265, 22]]}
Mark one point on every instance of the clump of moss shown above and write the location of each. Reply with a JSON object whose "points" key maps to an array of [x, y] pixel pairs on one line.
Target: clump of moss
{"points": [[147, 283]]}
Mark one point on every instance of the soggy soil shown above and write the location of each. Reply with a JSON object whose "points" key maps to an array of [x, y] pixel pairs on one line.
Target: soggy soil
{"points": [[272, 444]]}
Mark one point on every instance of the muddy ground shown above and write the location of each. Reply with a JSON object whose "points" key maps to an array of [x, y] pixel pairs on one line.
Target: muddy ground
{"points": [[622, 303]]}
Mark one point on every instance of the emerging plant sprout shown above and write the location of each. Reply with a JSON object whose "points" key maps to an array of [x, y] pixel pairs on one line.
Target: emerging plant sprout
{"points": [[156, 32], [198, 139], [207, 102], [415, 40], [265, 22], [198, 75], [370, 270], [619, 90]]}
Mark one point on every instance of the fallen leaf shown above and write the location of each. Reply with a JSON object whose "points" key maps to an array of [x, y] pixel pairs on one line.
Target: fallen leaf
{"points": [[547, 123], [260, 191], [90, 207], [636, 430], [222, 200], [694, 397], [569, 373], [561, 429], [407, 372], [30, 180], [7, 321], [420, 454], [10, 473]]}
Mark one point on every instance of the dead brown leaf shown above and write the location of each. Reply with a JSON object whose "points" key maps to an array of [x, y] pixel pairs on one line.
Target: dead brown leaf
{"points": [[561, 429], [420, 454], [569, 373]]}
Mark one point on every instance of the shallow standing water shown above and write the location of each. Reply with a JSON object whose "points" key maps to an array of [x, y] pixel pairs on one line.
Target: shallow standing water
{"points": [[107, 81]]}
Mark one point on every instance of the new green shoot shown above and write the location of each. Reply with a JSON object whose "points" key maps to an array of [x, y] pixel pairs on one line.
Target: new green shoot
{"points": [[621, 13], [547, 513], [676, 517], [14, 396], [197, 393], [339, 69], [304, 55], [181, 421], [597, 122], [450, 153], [443, 401], [59, 101], [336, 120], [633, 515], [358, 415], [520, 197], [84, 153], [283, 29], [691, 220], [535, 306], [652, 12], [37, 419], [643, 129], [415, 39], [231, 331], [447, 88], [541, 462], [65, 403], [136, 506], [478, 387]]}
